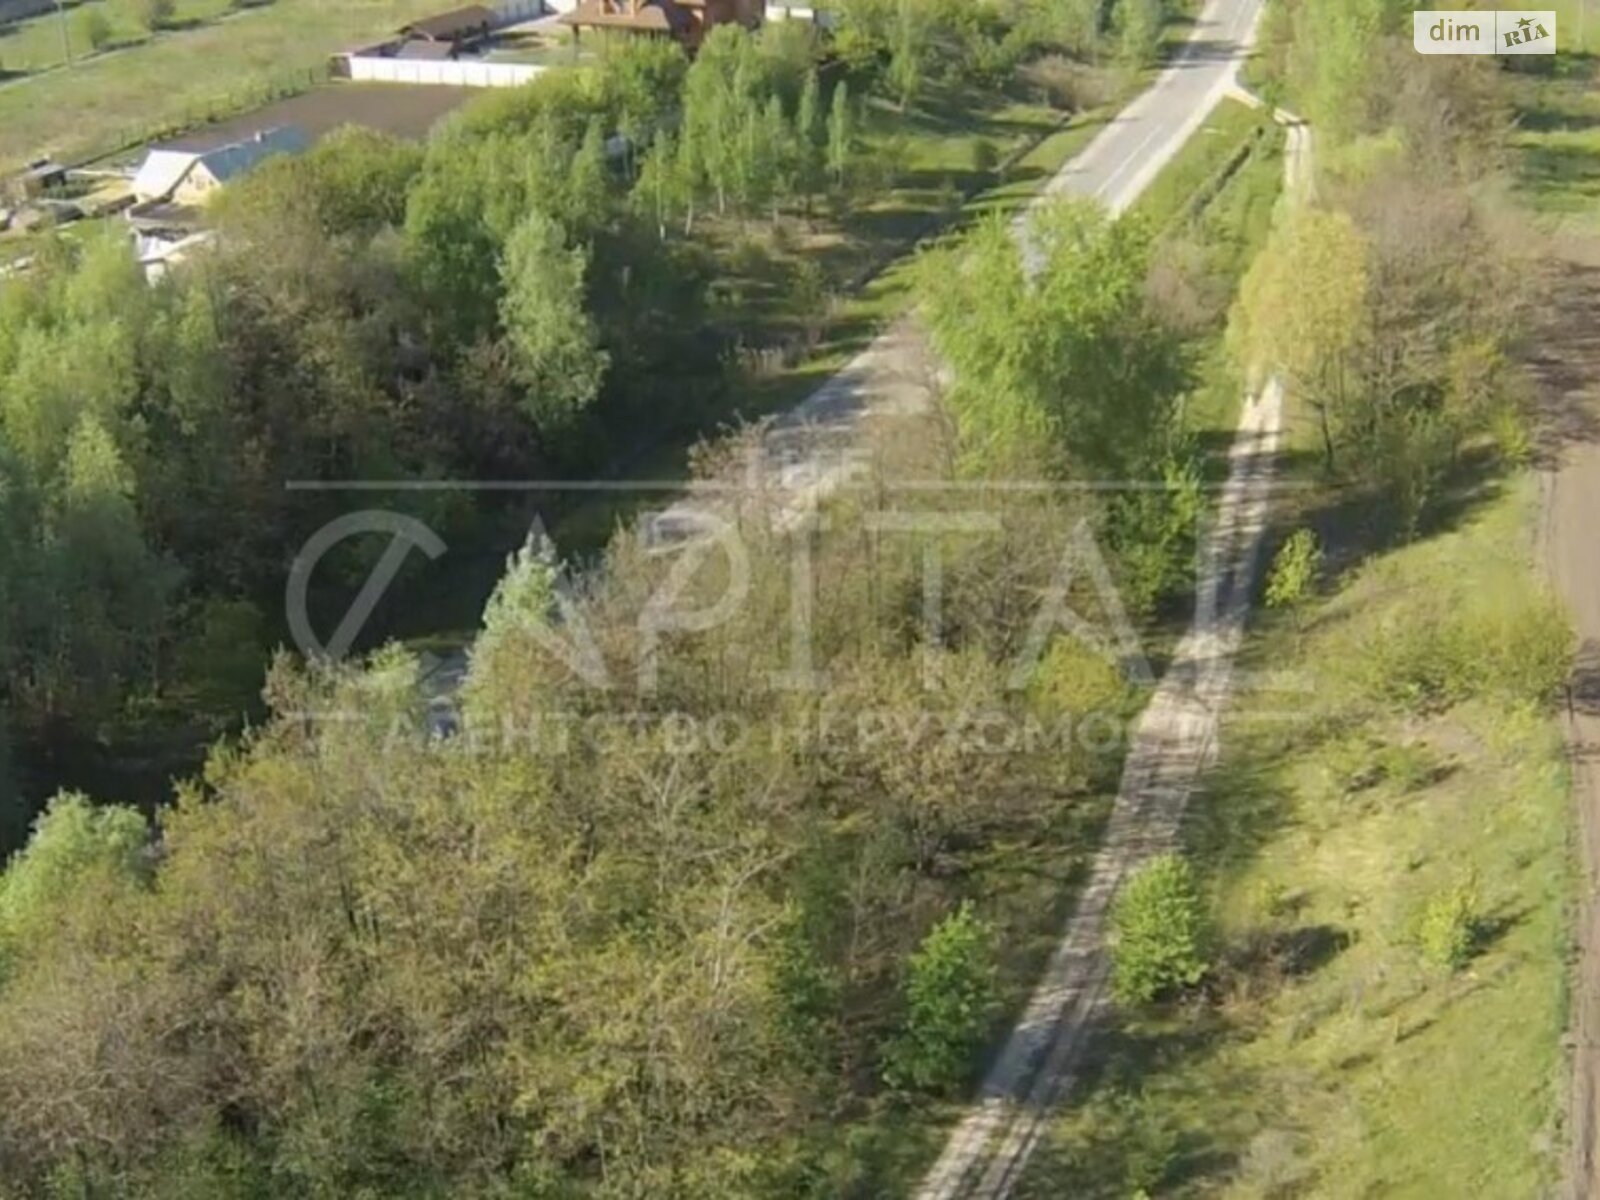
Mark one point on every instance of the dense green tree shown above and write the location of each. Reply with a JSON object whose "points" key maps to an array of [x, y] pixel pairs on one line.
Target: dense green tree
{"points": [[811, 138], [643, 78], [1333, 63], [589, 192], [73, 842], [1058, 359], [664, 189], [554, 342], [949, 995], [1302, 309], [1293, 577], [155, 15], [841, 136], [101, 592], [1138, 26], [353, 182], [908, 49], [94, 29]]}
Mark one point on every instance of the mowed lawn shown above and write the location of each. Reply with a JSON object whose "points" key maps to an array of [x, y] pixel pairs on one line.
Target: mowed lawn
{"points": [[186, 77]]}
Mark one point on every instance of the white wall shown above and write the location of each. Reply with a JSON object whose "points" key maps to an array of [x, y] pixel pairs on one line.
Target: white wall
{"points": [[797, 12], [462, 73], [513, 11]]}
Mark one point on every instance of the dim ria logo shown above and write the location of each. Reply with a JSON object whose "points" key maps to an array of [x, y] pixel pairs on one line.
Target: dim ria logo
{"points": [[1508, 31]]}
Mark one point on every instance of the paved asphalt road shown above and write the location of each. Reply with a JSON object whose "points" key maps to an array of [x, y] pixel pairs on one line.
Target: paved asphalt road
{"points": [[1119, 164]]}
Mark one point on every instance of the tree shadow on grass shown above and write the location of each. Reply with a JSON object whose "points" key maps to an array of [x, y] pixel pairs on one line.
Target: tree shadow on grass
{"points": [[1563, 168], [1354, 521], [1121, 1135], [1555, 120], [1242, 804]]}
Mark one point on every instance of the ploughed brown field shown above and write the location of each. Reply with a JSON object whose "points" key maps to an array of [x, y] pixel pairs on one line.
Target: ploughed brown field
{"points": [[398, 109]]}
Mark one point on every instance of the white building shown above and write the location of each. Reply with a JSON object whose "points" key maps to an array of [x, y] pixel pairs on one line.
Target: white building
{"points": [[190, 176]]}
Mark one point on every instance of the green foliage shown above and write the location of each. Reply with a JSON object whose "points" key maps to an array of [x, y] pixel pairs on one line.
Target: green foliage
{"points": [[155, 15], [841, 137], [378, 963], [811, 135], [905, 74], [1333, 66], [1447, 929], [1138, 28], [1155, 533], [808, 989], [985, 158], [505, 656], [555, 345], [352, 183], [1302, 310], [642, 77], [1293, 577], [1514, 646], [1161, 934], [1074, 680], [1074, 25], [75, 847], [1059, 363], [949, 994], [224, 660], [94, 28]]}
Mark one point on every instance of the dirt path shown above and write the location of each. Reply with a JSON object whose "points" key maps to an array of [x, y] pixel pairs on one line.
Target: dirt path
{"points": [[1174, 741], [1569, 484]]}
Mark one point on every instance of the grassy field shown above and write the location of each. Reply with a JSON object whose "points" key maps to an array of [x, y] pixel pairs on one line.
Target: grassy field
{"points": [[55, 39], [1227, 134], [1327, 1057], [1558, 141], [185, 77]]}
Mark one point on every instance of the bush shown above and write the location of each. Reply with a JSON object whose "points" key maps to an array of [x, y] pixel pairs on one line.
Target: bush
{"points": [[1074, 680], [1294, 571], [1138, 27], [1153, 532], [95, 29], [1517, 648], [1161, 932], [154, 14], [949, 993], [1447, 931]]}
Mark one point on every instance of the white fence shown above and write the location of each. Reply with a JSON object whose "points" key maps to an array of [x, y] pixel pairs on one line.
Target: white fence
{"points": [[460, 73], [370, 66]]}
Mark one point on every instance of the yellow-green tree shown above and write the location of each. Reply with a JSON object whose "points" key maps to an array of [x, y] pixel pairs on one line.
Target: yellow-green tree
{"points": [[1302, 310]]}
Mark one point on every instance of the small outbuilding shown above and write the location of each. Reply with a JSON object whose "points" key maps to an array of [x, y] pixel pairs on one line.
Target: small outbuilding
{"points": [[41, 176], [460, 29]]}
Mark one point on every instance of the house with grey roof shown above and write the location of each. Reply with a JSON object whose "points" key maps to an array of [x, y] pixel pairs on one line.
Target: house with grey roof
{"points": [[189, 177]]}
